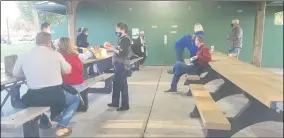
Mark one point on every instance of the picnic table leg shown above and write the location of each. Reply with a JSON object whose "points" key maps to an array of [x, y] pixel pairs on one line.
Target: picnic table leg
{"points": [[4, 101], [83, 107], [226, 89], [194, 113], [31, 128], [15, 96], [254, 112], [210, 76]]}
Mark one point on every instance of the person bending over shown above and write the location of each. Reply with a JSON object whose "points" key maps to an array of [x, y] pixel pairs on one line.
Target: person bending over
{"points": [[188, 41], [42, 67], [198, 63]]}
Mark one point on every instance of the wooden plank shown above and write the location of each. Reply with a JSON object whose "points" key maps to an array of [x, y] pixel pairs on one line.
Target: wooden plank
{"points": [[193, 77], [91, 81], [135, 60], [264, 85], [211, 115], [22, 117]]}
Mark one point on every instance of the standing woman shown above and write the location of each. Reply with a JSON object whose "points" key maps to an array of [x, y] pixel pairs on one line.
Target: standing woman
{"points": [[121, 62]]}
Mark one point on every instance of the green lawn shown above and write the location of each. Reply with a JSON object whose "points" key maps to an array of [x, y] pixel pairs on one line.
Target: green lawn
{"points": [[18, 48]]}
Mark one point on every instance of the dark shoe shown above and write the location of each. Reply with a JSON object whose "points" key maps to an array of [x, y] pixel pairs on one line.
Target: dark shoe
{"points": [[170, 71], [112, 105], [122, 109], [171, 90]]}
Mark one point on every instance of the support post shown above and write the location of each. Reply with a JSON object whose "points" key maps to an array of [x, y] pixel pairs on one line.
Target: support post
{"points": [[258, 33], [71, 15]]}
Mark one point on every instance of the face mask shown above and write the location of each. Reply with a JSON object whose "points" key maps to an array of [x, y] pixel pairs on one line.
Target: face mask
{"points": [[118, 34]]}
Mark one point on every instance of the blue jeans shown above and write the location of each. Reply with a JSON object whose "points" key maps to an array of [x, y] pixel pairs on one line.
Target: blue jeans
{"points": [[120, 86], [179, 69], [236, 51], [72, 103]]}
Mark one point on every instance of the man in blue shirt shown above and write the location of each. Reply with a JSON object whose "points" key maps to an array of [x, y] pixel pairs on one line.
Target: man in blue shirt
{"points": [[188, 42]]}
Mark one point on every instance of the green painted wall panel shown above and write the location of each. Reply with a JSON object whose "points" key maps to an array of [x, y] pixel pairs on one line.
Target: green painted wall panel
{"points": [[215, 17]]}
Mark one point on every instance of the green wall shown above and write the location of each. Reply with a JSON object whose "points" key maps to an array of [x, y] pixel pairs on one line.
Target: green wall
{"points": [[100, 17]]}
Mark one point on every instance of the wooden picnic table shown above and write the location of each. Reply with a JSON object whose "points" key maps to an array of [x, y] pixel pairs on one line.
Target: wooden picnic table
{"points": [[263, 85]]}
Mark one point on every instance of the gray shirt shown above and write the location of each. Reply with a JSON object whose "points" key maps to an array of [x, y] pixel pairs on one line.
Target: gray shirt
{"points": [[236, 38], [42, 67]]}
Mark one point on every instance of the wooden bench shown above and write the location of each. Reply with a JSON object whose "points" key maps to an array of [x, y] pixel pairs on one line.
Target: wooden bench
{"points": [[260, 87], [212, 117], [28, 118], [136, 63], [83, 107]]}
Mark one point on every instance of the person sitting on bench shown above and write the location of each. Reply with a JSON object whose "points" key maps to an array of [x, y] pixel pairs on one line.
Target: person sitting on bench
{"points": [[42, 67], [198, 63]]}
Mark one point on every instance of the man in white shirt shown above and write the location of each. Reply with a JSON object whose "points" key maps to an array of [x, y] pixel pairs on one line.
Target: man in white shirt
{"points": [[43, 68]]}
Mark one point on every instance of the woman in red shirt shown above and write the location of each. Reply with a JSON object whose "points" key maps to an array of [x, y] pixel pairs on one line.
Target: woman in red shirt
{"points": [[75, 79]]}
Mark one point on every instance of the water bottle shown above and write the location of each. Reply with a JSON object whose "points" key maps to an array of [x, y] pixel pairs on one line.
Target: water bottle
{"points": [[212, 49]]}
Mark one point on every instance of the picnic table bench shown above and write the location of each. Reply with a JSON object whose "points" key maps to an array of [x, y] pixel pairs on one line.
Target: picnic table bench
{"points": [[261, 87], [135, 62]]}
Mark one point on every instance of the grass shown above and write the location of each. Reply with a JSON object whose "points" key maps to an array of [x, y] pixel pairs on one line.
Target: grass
{"points": [[18, 48]]}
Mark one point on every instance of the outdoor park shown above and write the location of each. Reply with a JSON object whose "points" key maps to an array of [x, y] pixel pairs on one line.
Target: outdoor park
{"points": [[82, 68]]}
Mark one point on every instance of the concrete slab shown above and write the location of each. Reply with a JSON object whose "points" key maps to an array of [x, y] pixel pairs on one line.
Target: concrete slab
{"points": [[154, 112], [169, 114]]}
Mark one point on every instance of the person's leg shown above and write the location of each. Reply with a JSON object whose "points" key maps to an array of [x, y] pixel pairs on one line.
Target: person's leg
{"points": [[116, 88], [234, 52], [124, 92], [180, 69], [72, 102]]}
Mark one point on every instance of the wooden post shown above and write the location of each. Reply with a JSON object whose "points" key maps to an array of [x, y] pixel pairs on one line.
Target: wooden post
{"points": [[71, 15], [258, 33]]}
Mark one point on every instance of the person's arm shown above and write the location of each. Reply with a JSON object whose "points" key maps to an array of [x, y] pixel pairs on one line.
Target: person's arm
{"points": [[122, 49], [236, 34], [64, 65], [18, 70], [205, 56]]}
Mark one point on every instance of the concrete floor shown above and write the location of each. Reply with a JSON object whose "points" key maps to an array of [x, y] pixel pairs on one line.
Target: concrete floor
{"points": [[153, 113]]}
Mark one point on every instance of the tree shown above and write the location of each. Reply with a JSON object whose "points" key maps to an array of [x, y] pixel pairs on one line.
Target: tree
{"points": [[25, 7]]}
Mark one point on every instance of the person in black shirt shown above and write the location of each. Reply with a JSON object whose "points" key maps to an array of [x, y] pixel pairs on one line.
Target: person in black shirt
{"points": [[121, 61]]}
